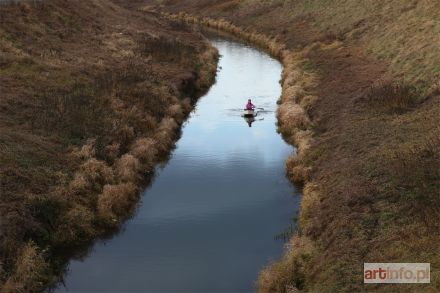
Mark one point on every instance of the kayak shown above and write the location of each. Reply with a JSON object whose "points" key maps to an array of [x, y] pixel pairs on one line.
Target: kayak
{"points": [[249, 113]]}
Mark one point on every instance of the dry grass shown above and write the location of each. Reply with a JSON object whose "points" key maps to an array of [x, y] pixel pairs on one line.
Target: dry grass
{"points": [[393, 97], [92, 98], [402, 32], [145, 151], [77, 225], [127, 168], [418, 174], [287, 275], [30, 273], [117, 202]]}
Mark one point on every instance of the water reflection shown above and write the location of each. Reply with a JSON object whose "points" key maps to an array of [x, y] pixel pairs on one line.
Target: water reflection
{"points": [[208, 222], [249, 120]]}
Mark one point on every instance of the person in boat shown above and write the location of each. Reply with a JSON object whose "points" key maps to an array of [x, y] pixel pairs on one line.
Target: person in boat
{"points": [[249, 105]]}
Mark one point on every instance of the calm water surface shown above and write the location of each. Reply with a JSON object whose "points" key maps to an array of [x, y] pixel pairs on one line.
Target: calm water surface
{"points": [[208, 222]]}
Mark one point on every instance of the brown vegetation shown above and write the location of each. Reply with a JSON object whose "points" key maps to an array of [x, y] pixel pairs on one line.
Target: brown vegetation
{"points": [[93, 96], [368, 150]]}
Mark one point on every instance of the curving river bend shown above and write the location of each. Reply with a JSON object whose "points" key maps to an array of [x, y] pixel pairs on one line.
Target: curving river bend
{"points": [[208, 222]]}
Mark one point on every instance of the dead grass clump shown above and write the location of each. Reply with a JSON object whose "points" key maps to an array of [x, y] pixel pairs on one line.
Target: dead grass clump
{"points": [[303, 140], [294, 93], [296, 169], [112, 151], [165, 134], [87, 151], [307, 102], [145, 150], [80, 184], [117, 201], [292, 117], [125, 134], [176, 111], [75, 226], [92, 175], [288, 274], [393, 97], [186, 105], [208, 64], [97, 170], [127, 169], [31, 271]]}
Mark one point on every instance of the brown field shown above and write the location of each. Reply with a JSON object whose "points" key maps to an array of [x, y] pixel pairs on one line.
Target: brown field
{"points": [[92, 98], [361, 99]]}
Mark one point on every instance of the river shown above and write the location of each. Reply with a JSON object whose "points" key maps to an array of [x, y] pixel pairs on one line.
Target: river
{"points": [[209, 220]]}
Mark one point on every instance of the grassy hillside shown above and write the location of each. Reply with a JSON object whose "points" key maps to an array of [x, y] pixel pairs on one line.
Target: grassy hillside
{"points": [[92, 97], [368, 76]]}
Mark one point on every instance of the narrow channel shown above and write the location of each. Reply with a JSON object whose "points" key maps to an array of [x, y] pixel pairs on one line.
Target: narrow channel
{"points": [[208, 222]]}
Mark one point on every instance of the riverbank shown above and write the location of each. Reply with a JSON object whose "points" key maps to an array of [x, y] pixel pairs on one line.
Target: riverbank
{"points": [[371, 165], [93, 97]]}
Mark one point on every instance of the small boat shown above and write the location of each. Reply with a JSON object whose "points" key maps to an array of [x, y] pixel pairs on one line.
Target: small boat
{"points": [[249, 113]]}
